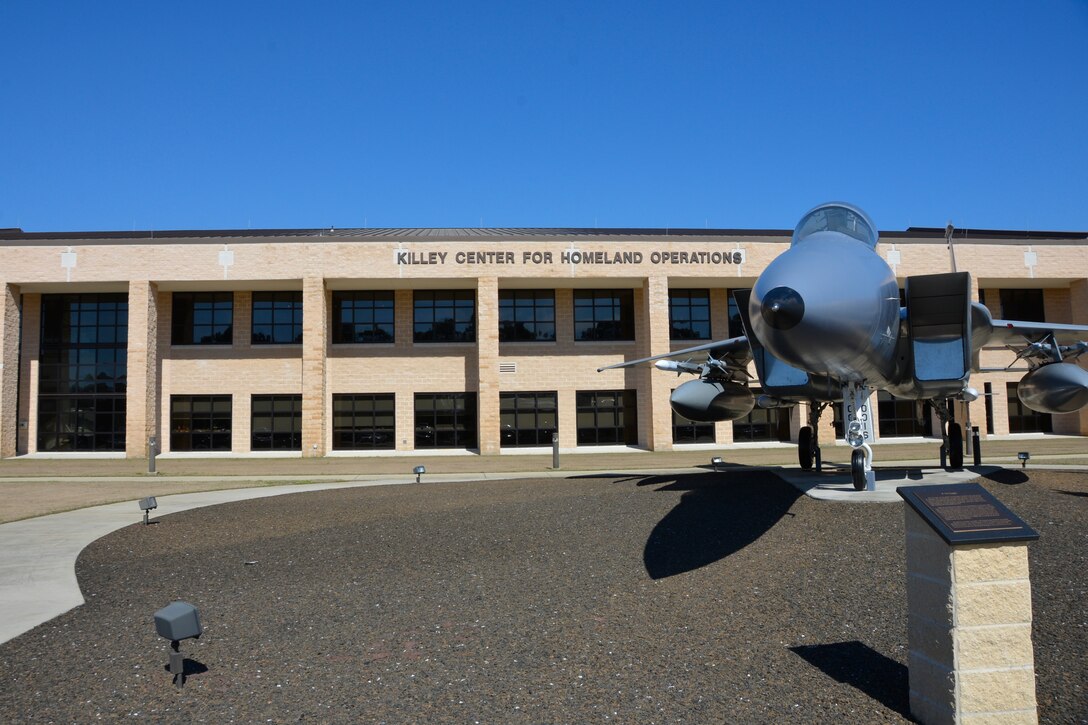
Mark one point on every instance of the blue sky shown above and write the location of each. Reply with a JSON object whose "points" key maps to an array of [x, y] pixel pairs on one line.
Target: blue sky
{"points": [[148, 115]]}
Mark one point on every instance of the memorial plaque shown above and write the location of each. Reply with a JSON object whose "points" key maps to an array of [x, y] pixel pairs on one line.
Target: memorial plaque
{"points": [[966, 513]]}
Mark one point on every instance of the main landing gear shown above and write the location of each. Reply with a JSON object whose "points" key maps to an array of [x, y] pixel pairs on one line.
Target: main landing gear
{"points": [[808, 441], [951, 435]]}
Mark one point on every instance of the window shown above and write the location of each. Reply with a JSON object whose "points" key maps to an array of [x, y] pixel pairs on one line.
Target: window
{"points": [[736, 324], [689, 314], [527, 419], [604, 314], [901, 418], [1022, 304], [689, 431], [445, 420], [363, 422], [444, 316], [1023, 419], [83, 371], [362, 317], [762, 424], [277, 318], [202, 318], [200, 422], [276, 423], [606, 417], [526, 315]]}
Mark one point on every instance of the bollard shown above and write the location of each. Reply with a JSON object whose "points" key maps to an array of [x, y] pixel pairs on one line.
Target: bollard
{"points": [[976, 449], [152, 449], [555, 450]]}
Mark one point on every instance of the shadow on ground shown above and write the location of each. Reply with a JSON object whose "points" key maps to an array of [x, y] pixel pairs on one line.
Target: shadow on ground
{"points": [[718, 515], [858, 665]]}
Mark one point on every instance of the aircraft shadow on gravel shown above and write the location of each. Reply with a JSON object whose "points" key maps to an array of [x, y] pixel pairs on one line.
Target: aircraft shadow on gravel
{"points": [[718, 515], [859, 665]]}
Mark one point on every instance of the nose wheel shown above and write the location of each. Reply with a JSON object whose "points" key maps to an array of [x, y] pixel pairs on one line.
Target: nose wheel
{"points": [[857, 469]]}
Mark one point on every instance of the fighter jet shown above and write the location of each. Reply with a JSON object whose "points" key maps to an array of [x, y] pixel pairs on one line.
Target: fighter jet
{"points": [[824, 325]]}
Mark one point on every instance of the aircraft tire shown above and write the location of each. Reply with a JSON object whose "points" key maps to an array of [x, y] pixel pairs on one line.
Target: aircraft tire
{"points": [[857, 469], [805, 448], [955, 445]]}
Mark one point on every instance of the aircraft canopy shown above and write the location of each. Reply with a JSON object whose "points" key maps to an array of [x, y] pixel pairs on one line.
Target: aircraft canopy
{"points": [[837, 217]]}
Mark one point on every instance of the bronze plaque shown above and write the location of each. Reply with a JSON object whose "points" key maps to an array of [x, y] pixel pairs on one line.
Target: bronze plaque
{"points": [[966, 513]]}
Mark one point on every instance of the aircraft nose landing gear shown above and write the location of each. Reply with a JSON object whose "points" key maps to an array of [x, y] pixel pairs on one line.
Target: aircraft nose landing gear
{"points": [[858, 428]]}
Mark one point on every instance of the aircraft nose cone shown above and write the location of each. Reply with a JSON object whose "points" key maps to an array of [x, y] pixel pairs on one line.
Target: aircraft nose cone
{"points": [[783, 308]]}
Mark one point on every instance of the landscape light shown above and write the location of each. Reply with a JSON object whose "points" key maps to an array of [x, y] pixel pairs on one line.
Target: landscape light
{"points": [[1024, 456], [146, 505], [419, 471], [175, 622], [716, 461]]}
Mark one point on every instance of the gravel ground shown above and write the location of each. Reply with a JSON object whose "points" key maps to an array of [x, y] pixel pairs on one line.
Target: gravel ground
{"points": [[629, 599]]}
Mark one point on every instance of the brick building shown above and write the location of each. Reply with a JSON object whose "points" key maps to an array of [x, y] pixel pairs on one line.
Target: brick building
{"points": [[363, 340]]}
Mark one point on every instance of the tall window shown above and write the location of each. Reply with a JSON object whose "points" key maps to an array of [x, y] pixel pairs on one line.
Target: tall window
{"points": [[606, 417], [689, 314], [444, 316], [277, 318], [690, 431], [202, 318], [363, 422], [276, 423], [526, 315], [83, 370], [903, 418], [445, 420], [200, 422], [1022, 304], [362, 317], [1023, 419], [604, 314], [736, 324], [527, 419]]}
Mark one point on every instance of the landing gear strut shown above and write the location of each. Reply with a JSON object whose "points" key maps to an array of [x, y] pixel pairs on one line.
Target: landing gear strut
{"points": [[808, 439], [951, 435], [858, 423]]}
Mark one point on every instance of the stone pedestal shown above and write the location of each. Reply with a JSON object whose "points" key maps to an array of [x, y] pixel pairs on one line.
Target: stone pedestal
{"points": [[969, 629]]}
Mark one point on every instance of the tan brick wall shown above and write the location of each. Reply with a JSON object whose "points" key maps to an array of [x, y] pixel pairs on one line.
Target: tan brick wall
{"points": [[315, 336], [28, 372], [9, 369], [654, 337], [487, 365], [969, 629], [142, 391]]}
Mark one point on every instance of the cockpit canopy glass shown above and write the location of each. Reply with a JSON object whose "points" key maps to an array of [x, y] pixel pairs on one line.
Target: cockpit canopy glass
{"points": [[837, 217]]}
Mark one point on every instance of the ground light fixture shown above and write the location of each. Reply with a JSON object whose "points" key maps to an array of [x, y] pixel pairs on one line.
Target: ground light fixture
{"points": [[177, 621], [147, 505], [1024, 457], [717, 461], [419, 471]]}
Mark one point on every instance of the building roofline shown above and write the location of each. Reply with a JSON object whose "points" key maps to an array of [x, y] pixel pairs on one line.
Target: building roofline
{"points": [[919, 234]]}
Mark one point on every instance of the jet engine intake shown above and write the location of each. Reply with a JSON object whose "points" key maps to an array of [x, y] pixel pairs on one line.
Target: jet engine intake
{"points": [[1055, 388], [705, 401]]}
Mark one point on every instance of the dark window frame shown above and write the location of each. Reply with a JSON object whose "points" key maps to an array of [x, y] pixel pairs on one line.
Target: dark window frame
{"points": [[82, 372], [186, 328], [604, 315], [689, 314], [272, 436], [1026, 305], [535, 409], [209, 437], [440, 426], [283, 309], [612, 423], [527, 315], [691, 432], [363, 317], [460, 324], [363, 432], [1023, 419], [903, 418]]}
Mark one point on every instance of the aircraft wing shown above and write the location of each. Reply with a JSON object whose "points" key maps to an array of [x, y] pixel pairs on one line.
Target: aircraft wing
{"points": [[1017, 333], [736, 349]]}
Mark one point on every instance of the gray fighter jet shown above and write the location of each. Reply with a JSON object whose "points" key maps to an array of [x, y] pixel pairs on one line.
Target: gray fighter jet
{"points": [[824, 325]]}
